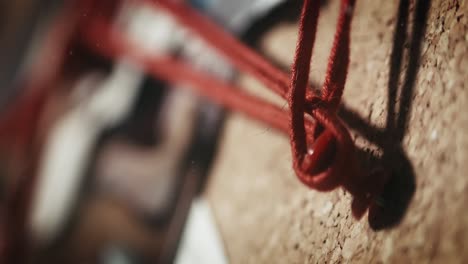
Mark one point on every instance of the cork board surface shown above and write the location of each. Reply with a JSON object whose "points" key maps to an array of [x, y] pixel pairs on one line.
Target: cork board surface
{"points": [[406, 104]]}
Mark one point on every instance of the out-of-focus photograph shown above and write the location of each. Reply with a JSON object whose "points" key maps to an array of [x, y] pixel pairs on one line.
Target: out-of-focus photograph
{"points": [[233, 131]]}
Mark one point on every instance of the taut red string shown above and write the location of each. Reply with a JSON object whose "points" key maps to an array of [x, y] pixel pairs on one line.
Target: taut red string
{"points": [[322, 149], [323, 152], [240, 55]]}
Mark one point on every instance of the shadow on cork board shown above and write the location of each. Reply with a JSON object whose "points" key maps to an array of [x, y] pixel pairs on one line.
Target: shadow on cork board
{"points": [[400, 189]]}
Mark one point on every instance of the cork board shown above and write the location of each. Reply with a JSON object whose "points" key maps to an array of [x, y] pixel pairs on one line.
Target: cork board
{"points": [[405, 102]]}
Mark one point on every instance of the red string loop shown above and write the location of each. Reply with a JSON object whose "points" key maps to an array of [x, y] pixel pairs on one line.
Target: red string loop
{"points": [[330, 135], [312, 122], [322, 148], [301, 99]]}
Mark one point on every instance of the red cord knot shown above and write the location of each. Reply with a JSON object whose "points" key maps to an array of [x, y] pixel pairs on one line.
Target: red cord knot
{"points": [[323, 156], [323, 152], [330, 162], [329, 158]]}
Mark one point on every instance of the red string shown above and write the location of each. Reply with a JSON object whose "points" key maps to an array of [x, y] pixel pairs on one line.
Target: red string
{"points": [[240, 55], [322, 149], [323, 153], [307, 159]]}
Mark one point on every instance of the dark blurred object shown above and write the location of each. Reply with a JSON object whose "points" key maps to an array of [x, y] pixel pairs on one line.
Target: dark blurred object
{"points": [[132, 161], [19, 22]]}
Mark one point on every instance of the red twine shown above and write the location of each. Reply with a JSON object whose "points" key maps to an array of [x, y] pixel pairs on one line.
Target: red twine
{"points": [[322, 149]]}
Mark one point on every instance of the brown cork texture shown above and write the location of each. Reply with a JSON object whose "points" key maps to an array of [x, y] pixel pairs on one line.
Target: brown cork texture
{"points": [[406, 104]]}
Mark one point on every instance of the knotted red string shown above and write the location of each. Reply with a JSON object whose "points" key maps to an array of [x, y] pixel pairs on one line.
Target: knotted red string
{"points": [[322, 149], [307, 154], [315, 141]]}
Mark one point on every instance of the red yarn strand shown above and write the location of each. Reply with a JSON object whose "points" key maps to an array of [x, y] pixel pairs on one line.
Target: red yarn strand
{"points": [[303, 132], [322, 149], [239, 54], [300, 78]]}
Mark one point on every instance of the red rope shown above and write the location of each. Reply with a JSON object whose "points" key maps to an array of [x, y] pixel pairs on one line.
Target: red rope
{"points": [[240, 55], [306, 158], [322, 149], [323, 154]]}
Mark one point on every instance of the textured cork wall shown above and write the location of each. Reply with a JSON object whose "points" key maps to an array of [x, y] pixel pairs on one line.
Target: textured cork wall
{"points": [[407, 117]]}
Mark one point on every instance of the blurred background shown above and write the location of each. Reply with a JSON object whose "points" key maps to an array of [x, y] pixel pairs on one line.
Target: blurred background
{"points": [[100, 162]]}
